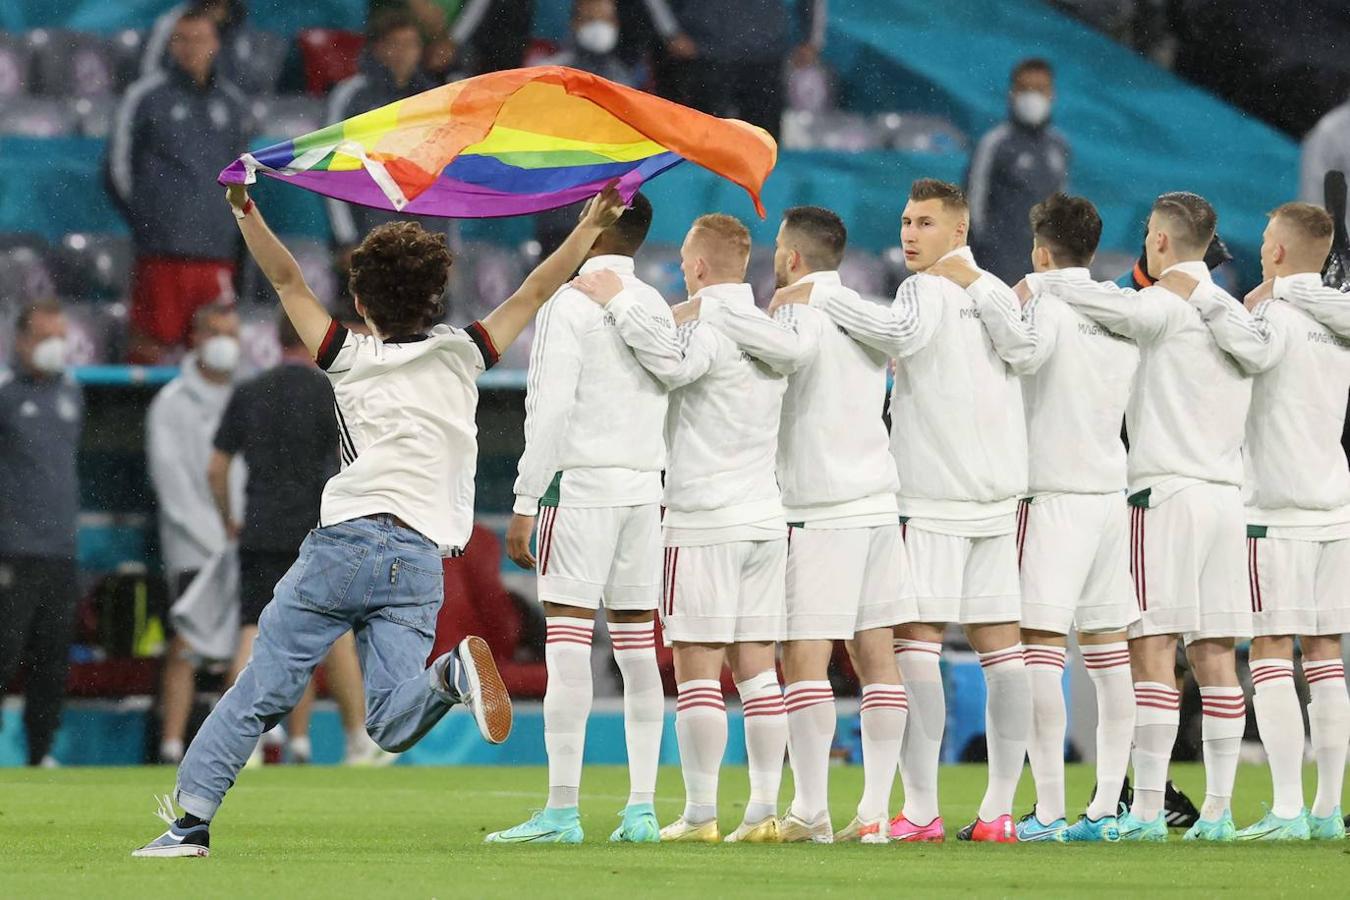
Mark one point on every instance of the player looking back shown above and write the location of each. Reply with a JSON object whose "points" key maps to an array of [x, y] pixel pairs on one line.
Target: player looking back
{"points": [[1185, 422], [1298, 529], [405, 404], [959, 439], [725, 535], [591, 470]]}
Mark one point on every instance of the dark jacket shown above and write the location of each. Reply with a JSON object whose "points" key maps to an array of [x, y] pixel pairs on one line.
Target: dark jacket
{"points": [[744, 31], [40, 424], [170, 139], [1012, 169]]}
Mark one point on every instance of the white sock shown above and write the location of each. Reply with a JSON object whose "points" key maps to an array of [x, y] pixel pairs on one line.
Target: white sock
{"points": [[644, 704], [1108, 665], [1225, 719], [920, 667], [171, 751], [766, 735], [1279, 719], [701, 731], [567, 705], [810, 720], [1329, 721], [1045, 746], [1157, 718], [883, 712], [1007, 721]]}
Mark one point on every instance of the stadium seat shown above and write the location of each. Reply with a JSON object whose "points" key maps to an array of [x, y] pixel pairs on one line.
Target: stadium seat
{"points": [[830, 130], [15, 65], [328, 56], [920, 133], [288, 115], [72, 64], [39, 117], [93, 266], [93, 117], [24, 273], [126, 47], [93, 334], [266, 56]]}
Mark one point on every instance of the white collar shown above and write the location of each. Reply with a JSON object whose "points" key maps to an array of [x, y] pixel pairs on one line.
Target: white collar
{"points": [[1074, 273], [731, 293], [963, 252], [1195, 268], [830, 277], [611, 261], [1284, 284]]}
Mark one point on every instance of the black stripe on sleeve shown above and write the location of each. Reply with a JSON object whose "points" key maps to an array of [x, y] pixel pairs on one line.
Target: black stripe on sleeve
{"points": [[478, 334], [331, 345]]}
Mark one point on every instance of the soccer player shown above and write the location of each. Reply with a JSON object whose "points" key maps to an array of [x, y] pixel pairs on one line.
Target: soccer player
{"points": [[1073, 527], [724, 530], [1198, 349], [1298, 531], [591, 471], [405, 403], [959, 439], [847, 576]]}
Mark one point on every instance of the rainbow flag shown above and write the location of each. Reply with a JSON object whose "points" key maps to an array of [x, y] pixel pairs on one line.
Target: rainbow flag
{"points": [[509, 143]]}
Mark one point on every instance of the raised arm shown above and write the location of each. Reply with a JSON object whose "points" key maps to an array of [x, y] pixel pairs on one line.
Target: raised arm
{"points": [[1245, 336], [306, 313], [1325, 304], [784, 343], [900, 330], [505, 323]]}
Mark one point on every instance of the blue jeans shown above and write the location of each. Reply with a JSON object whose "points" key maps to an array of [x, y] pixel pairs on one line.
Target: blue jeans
{"points": [[370, 576]]}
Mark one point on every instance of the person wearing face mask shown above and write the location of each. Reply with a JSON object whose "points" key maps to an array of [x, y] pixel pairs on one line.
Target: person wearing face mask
{"points": [[179, 430], [1016, 165], [41, 416]]}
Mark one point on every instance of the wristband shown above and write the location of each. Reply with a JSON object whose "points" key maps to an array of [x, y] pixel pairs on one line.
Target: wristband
{"points": [[247, 208]]}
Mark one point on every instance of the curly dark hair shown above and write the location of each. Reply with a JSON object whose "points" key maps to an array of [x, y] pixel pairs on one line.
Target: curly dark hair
{"points": [[399, 274]]}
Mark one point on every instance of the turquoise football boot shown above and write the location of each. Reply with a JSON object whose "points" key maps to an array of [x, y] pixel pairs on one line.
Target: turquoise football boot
{"points": [[1220, 831], [639, 825], [1273, 828], [1030, 829], [1327, 828], [1093, 831], [546, 826], [1131, 829]]}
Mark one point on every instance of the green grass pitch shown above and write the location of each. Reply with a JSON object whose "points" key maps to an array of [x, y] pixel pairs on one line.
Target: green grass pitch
{"points": [[417, 832]]}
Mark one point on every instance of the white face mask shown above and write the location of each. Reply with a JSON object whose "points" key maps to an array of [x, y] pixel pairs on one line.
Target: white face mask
{"points": [[1031, 107], [598, 37], [49, 355], [220, 353]]}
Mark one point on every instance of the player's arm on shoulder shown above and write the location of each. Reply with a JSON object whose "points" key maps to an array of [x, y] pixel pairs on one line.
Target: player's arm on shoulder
{"points": [[1144, 316], [672, 356], [899, 330], [1327, 305], [777, 342], [1012, 332], [1246, 336]]}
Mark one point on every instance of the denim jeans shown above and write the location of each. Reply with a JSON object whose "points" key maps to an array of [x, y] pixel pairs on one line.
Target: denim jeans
{"points": [[372, 576]]}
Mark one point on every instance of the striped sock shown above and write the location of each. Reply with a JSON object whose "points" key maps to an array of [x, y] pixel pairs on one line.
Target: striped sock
{"points": [[1108, 665], [1225, 719], [1280, 723], [644, 704], [1157, 717], [1045, 746], [1007, 721], [883, 712], [701, 732], [810, 720], [766, 735], [920, 666], [1329, 724], [567, 705]]}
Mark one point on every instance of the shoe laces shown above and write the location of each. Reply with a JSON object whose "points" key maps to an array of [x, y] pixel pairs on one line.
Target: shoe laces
{"points": [[165, 809]]}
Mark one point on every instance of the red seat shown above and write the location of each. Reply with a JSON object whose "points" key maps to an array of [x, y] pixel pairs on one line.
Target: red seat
{"points": [[329, 56]]}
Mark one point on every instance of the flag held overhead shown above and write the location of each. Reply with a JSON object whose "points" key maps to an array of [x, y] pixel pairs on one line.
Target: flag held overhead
{"points": [[511, 143]]}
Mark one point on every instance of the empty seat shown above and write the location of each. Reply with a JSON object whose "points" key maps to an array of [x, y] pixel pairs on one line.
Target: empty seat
{"points": [[830, 130], [93, 266], [15, 63], [72, 64], [921, 133], [41, 117], [288, 115], [328, 56]]}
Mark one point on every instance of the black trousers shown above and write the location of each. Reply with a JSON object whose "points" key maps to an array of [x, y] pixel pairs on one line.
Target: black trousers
{"points": [[37, 611]]}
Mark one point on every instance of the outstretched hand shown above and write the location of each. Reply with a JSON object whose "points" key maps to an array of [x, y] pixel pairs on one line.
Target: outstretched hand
{"points": [[237, 194], [1178, 283], [687, 312], [604, 209], [601, 286], [1259, 294]]}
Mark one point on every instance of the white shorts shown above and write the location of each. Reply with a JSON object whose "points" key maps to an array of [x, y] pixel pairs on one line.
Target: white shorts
{"points": [[609, 554], [725, 593], [1298, 587], [970, 580], [1074, 553], [841, 581], [1188, 562]]}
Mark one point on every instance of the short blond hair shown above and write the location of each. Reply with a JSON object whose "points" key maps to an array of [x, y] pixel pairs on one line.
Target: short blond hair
{"points": [[724, 242], [1310, 221]]}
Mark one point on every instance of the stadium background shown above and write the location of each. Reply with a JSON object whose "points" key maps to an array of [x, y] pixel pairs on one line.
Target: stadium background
{"points": [[913, 85]]}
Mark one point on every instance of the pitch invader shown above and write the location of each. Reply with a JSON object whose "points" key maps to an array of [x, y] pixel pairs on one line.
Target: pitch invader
{"points": [[959, 439], [1198, 349], [847, 576], [724, 531], [1073, 532], [1298, 526], [591, 473]]}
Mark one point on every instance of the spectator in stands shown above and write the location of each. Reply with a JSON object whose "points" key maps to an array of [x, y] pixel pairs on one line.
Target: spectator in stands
{"points": [[237, 42], [178, 430], [728, 60], [282, 424], [41, 415], [172, 134], [456, 38], [1326, 147], [1016, 165]]}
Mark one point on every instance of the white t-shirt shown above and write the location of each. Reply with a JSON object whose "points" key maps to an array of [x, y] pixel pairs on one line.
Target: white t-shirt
{"points": [[409, 442]]}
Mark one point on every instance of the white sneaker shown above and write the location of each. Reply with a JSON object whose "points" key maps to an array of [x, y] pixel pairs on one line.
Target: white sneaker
{"points": [[176, 842], [363, 752], [49, 762], [299, 751]]}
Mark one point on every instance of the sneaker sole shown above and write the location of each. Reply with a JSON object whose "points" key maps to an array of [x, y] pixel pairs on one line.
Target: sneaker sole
{"points": [[492, 702], [190, 851]]}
